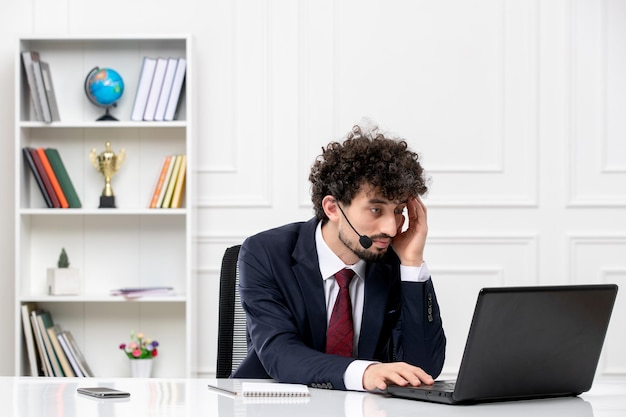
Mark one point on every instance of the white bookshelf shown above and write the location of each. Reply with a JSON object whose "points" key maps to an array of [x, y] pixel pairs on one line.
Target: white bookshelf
{"points": [[131, 245]]}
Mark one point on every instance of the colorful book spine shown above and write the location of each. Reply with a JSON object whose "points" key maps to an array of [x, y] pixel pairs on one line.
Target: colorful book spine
{"points": [[172, 183], [52, 177], [180, 184], [33, 168], [63, 177], [168, 175], [53, 333], [44, 178], [69, 354], [160, 181], [45, 321], [46, 366]]}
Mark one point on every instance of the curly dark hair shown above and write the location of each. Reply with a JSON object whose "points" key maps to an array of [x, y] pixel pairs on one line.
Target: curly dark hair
{"points": [[366, 157]]}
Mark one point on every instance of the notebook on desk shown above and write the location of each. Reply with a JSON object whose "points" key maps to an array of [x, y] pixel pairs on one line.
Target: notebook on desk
{"points": [[525, 343]]}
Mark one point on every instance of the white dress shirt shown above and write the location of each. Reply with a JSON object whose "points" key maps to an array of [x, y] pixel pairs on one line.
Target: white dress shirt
{"points": [[330, 264]]}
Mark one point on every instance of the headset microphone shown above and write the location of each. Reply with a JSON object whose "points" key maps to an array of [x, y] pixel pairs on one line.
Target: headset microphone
{"points": [[364, 240]]}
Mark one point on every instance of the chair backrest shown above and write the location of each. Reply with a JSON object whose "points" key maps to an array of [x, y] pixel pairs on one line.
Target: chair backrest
{"points": [[232, 340]]}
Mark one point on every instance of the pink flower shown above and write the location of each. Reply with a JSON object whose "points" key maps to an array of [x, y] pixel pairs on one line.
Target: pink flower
{"points": [[140, 347]]}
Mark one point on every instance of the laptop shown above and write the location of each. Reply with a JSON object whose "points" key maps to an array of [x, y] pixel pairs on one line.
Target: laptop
{"points": [[527, 343]]}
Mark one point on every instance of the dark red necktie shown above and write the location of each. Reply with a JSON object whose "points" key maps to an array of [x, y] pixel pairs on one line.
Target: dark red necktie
{"points": [[340, 335]]}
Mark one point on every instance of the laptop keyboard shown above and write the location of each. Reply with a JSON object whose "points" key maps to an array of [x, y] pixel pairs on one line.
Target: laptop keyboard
{"points": [[439, 386]]}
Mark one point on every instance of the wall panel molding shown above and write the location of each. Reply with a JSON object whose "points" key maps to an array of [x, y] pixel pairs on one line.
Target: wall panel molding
{"points": [[244, 176], [597, 157], [502, 157]]}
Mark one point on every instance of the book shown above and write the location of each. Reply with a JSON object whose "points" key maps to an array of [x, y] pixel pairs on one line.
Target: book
{"points": [[80, 358], [63, 177], [160, 181], [53, 178], [65, 345], [168, 175], [171, 183], [33, 168], [49, 89], [27, 61], [44, 320], [166, 89], [29, 338], [180, 184], [136, 292], [44, 178], [143, 88], [53, 333], [177, 86], [41, 89], [155, 89], [46, 366]]}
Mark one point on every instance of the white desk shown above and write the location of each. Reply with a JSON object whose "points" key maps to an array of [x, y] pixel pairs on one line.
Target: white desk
{"points": [[38, 397]]}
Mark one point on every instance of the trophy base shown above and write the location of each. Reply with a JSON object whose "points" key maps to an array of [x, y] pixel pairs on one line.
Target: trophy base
{"points": [[107, 202]]}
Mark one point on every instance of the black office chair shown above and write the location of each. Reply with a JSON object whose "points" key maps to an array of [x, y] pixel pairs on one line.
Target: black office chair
{"points": [[232, 339]]}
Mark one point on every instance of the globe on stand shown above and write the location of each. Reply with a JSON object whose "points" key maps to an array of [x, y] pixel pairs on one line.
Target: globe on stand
{"points": [[104, 87]]}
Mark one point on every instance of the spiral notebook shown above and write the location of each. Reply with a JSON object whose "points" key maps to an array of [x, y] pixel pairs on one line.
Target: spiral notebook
{"points": [[268, 389], [253, 389]]}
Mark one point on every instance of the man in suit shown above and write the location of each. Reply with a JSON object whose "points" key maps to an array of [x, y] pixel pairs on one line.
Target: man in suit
{"points": [[363, 190]]}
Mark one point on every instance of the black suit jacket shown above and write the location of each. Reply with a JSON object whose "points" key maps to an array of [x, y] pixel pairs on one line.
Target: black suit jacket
{"points": [[282, 292]]}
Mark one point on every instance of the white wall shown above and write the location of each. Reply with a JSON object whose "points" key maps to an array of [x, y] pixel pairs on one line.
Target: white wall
{"points": [[516, 106]]}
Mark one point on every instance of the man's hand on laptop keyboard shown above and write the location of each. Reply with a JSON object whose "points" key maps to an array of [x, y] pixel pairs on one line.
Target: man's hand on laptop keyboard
{"points": [[378, 375]]}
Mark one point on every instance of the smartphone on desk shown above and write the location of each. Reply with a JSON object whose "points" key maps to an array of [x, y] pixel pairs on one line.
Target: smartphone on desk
{"points": [[103, 392]]}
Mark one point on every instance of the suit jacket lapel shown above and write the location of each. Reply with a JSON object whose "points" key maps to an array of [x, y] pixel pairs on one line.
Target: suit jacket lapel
{"points": [[307, 272], [374, 306]]}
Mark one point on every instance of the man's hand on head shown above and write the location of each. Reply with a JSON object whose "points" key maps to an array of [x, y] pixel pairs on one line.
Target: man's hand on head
{"points": [[409, 244]]}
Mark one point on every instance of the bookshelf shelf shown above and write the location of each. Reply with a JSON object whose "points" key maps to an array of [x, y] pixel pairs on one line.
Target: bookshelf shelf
{"points": [[103, 299], [131, 245], [103, 125], [101, 213]]}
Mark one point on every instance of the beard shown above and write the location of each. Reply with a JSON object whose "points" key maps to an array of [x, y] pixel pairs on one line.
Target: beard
{"points": [[368, 255]]}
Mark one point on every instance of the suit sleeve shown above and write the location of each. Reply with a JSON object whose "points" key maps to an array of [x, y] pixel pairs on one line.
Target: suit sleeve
{"points": [[419, 338]]}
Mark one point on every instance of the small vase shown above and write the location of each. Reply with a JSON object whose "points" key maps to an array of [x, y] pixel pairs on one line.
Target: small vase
{"points": [[141, 368]]}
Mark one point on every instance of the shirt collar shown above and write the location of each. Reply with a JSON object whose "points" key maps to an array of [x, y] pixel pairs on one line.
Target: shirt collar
{"points": [[330, 263]]}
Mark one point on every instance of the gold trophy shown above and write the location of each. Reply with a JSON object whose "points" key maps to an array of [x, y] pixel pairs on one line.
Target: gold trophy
{"points": [[107, 163]]}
